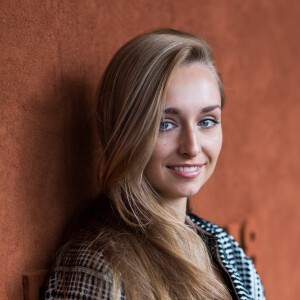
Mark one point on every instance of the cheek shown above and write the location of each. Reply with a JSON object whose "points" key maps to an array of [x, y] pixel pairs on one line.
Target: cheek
{"points": [[152, 169], [219, 143], [162, 151], [153, 163], [213, 146], [160, 156]]}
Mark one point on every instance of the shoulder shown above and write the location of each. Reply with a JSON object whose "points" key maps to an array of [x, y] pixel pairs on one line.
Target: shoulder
{"points": [[76, 267], [81, 269], [239, 266], [79, 273]]}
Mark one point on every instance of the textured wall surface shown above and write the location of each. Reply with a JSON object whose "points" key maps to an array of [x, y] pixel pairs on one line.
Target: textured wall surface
{"points": [[52, 55]]}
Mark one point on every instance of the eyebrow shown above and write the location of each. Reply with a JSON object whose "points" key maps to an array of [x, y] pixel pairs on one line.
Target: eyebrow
{"points": [[171, 111], [210, 108], [174, 111]]}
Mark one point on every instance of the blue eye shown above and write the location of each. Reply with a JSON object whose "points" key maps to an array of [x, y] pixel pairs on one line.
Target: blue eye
{"points": [[165, 126], [208, 123]]}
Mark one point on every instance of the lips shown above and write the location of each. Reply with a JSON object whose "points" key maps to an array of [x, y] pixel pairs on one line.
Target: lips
{"points": [[186, 171]]}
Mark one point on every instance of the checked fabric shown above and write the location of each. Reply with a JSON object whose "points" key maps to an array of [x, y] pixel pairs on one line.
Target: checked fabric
{"points": [[77, 276]]}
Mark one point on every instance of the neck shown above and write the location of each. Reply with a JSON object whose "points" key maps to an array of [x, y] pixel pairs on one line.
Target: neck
{"points": [[179, 207]]}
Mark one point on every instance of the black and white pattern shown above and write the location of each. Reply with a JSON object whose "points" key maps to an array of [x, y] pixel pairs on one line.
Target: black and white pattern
{"points": [[240, 268], [84, 280]]}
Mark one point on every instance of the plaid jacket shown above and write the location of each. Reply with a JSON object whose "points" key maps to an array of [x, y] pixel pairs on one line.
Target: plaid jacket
{"points": [[91, 281]]}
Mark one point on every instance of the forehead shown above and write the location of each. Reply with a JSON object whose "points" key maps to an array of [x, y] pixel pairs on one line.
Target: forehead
{"points": [[192, 84]]}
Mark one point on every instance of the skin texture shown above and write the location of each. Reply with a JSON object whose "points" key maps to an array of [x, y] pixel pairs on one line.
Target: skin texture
{"points": [[189, 136]]}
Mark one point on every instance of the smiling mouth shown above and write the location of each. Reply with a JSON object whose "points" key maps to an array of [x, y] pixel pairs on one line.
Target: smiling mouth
{"points": [[185, 169]]}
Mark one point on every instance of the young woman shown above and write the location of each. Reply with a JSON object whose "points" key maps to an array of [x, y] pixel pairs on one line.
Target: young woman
{"points": [[159, 115]]}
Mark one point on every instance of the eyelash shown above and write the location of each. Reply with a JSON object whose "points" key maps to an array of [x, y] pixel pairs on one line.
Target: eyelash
{"points": [[204, 120], [163, 123], [211, 120]]}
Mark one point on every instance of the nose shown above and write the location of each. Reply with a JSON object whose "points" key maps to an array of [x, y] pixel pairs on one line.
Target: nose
{"points": [[189, 144]]}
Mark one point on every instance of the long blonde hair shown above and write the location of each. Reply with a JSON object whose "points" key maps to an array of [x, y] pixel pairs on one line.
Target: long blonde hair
{"points": [[151, 253]]}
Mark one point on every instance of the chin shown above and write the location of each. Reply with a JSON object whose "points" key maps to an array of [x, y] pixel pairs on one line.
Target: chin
{"points": [[187, 192], [192, 190]]}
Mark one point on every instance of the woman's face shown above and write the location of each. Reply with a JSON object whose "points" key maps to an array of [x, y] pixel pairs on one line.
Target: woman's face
{"points": [[190, 137]]}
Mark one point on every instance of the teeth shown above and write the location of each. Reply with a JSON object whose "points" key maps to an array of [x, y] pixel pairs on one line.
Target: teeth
{"points": [[185, 169]]}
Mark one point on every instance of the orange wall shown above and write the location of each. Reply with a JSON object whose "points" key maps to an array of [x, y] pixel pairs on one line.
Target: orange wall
{"points": [[53, 53]]}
